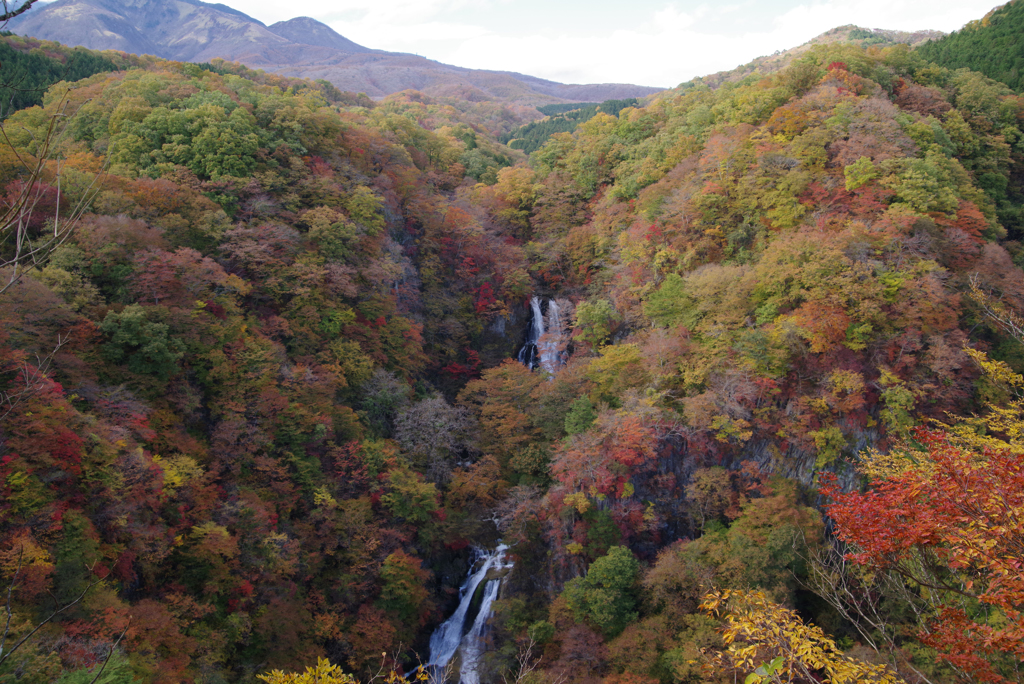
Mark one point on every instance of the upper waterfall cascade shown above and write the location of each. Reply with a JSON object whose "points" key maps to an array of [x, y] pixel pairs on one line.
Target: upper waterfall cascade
{"points": [[546, 338], [450, 636]]}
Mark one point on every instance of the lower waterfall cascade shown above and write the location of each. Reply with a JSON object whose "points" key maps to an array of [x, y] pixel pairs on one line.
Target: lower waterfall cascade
{"points": [[452, 636]]}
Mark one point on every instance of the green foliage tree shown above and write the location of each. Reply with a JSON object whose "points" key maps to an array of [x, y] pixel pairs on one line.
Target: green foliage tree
{"points": [[581, 416], [607, 596], [669, 305], [988, 45], [402, 591], [596, 320], [384, 398], [28, 73], [560, 118], [144, 346], [409, 498]]}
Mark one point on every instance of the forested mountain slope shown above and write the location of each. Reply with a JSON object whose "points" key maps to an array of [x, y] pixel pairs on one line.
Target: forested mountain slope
{"points": [[28, 74], [253, 262], [774, 271], [559, 119], [261, 404], [849, 33], [991, 45]]}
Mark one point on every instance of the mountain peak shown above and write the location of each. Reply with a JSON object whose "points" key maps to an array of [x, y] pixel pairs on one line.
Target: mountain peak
{"points": [[185, 30], [309, 31], [197, 31]]}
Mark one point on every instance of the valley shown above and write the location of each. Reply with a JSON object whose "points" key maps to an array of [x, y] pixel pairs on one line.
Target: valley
{"points": [[309, 382]]}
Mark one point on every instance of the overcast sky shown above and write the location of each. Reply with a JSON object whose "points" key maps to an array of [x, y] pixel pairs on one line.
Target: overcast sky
{"points": [[647, 42]]}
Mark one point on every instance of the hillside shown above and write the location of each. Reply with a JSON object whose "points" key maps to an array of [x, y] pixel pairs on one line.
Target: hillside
{"points": [[991, 45], [560, 119], [195, 31], [26, 75], [841, 34], [732, 378]]}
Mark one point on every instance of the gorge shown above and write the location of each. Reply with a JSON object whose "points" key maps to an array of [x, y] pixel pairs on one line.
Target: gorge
{"points": [[742, 358]]}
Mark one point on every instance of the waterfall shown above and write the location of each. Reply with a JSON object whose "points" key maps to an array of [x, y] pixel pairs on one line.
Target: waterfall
{"points": [[473, 643], [550, 342], [545, 342], [448, 638], [528, 354]]}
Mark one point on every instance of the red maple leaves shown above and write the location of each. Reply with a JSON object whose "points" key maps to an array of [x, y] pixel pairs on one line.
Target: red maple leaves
{"points": [[955, 528]]}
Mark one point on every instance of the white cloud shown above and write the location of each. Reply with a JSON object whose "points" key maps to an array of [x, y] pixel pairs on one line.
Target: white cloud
{"points": [[671, 19], [653, 43], [421, 36], [375, 12], [673, 47]]}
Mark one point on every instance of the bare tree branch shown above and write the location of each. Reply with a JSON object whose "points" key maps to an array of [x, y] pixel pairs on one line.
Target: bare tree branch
{"points": [[527, 664], [22, 250], [57, 611], [8, 13], [111, 652], [32, 379], [1000, 314], [859, 601]]}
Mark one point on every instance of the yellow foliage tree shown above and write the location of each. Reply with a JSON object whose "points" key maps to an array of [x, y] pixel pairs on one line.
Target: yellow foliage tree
{"points": [[773, 644], [326, 673], [323, 673]]}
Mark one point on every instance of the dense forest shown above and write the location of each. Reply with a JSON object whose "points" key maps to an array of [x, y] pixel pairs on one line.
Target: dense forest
{"points": [[260, 399], [28, 73], [559, 119], [990, 45]]}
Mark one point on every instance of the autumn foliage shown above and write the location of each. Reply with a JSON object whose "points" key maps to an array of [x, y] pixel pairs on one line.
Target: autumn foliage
{"points": [[262, 405], [953, 526]]}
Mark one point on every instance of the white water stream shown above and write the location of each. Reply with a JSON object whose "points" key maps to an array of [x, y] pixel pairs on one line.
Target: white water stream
{"points": [[545, 342], [528, 354], [449, 637], [550, 343]]}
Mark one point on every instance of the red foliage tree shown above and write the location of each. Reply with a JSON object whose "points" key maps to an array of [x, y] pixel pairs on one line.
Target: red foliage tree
{"points": [[956, 528]]}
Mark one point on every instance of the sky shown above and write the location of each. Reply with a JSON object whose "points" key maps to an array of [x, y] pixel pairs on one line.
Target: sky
{"points": [[646, 42]]}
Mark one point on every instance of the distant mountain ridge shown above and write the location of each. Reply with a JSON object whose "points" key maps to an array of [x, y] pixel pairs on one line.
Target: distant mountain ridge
{"points": [[196, 31], [309, 31], [183, 30]]}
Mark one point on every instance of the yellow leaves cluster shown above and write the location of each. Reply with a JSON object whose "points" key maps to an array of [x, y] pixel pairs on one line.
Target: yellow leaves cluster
{"points": [[214, 540], [759, 631], [579, 501], [727, 429], [1000, 428], [995, 370], [323, 673], [326, 673], [178, 470], [322, 498], [879, 466], [23, 552]]}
